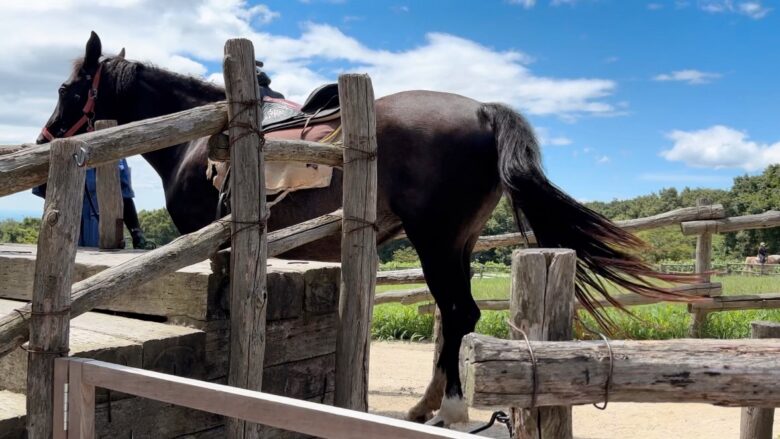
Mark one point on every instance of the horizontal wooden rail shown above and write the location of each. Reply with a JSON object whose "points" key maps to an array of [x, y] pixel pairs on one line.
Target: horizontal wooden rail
{"points": [[768, 219], [399, 277], [183, 251], [283, 150], [276, 411], [28, 167], [742, 302], [418, 295], [722, 372]]}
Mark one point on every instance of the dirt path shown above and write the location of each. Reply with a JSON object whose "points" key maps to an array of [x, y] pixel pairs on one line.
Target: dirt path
{"points": [[400, 372]]}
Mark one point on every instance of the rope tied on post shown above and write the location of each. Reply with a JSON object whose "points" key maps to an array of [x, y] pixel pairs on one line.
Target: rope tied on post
{"points": [[534, 366], [249, 128], [363, 223]]}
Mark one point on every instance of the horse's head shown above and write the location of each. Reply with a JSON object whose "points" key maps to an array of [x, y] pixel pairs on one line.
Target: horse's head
{"points": [[77, 106]]}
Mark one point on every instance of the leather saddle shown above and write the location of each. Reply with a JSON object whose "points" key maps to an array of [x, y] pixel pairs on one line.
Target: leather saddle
{"points": [[321, 105]]}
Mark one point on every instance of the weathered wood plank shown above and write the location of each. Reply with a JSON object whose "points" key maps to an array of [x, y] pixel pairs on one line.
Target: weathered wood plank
{"points": [[742, 302], [404, 297], [116, 281], [358, 249], [272, 410], [283, 150], [542, 305], [757, 422], [109, 195], [248, 293], [724, 372], [28, 167], [770, 218], [50, 316], [399, 277]]}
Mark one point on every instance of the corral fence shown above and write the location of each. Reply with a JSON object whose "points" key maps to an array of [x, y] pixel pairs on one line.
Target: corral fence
{"points": [[541, 373], [45, 322], [702, 221]]}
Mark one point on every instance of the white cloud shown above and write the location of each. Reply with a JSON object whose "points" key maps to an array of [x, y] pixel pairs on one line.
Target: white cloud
{"points": [[753, 9], [40, 38], [545, 138], [720, 146], [603, 160], [524, 3], [690, 76], [655, 6]]}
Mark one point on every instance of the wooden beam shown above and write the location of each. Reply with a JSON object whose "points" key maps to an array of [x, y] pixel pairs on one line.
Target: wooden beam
{"points": [[756, 422], [730, 373], [28, 167], [400, 277], [541, 307], [182, 252], [50, 313], [624, 299], [702, 267], [741, 302], [768, 219], [305, 417], [358, 241], [405, 297], [248, 293], [283, 150], [109, 199]]}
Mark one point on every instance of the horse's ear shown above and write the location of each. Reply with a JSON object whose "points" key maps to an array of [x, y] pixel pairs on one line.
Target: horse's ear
{"points": [[121, 54], [93, 52]]}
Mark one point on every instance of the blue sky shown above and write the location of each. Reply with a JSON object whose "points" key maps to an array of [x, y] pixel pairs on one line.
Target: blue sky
{"points": [[627, 96]]}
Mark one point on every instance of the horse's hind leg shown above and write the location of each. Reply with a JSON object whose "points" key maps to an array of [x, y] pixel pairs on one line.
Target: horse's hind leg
{"points": [[450, 285]]}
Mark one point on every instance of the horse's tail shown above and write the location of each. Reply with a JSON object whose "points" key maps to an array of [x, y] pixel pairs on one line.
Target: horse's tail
{"points": [[557, 220]]}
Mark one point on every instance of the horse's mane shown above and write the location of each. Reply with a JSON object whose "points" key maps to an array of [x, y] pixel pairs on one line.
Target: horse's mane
{"points": [[124, 74]]}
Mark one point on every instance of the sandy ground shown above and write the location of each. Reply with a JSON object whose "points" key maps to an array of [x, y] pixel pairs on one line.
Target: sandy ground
{"points": [[400, 371]]}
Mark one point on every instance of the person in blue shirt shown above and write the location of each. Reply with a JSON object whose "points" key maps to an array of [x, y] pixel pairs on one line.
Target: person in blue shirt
{"points": [[90, 212]]}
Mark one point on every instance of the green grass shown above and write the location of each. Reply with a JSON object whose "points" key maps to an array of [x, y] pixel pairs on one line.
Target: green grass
{"points": [[650, 322]]}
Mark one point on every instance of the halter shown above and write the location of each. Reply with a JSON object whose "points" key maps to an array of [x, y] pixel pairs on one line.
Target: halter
{"points": [[88, 110]]}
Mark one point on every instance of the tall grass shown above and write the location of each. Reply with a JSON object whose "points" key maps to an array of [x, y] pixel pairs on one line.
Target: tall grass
{"points": [[649, 322]]}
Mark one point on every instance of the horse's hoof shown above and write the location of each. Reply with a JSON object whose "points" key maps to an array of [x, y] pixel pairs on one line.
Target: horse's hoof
{"points": [[437, 421], [419, 416]]}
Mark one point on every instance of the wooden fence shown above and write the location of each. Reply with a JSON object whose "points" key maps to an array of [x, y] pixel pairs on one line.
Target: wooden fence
{"points": [[62, 165], [542, 373], [701, 220]]}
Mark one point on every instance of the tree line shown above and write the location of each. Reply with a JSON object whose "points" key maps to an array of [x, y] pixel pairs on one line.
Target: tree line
{"points": [[749, 194]]}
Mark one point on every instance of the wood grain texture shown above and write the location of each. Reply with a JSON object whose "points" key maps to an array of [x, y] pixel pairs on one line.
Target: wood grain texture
{"points": [[702, 266], [184, 251], [29, 166], [770, 218], [358, 236], [272, 410], [109, 195], [283, 150], [248, 289], [400, 277], [542, 305], [757, 422], [50, 317], [731, 373]]}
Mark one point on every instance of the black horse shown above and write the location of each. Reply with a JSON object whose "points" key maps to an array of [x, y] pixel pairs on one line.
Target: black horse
{"points": [[444, 162]]}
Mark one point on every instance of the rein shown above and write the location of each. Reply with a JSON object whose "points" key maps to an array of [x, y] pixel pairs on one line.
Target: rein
{"points": [[88, 110]]}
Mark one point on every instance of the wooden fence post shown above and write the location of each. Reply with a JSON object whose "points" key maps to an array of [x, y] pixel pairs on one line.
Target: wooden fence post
{"points": [[358, 241], [542, 305], [249, 244], [109, 196], [56, 256], [703, 264], [756, 422]]}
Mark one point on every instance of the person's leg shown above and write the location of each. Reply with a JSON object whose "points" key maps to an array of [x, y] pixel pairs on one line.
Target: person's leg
{"points": [[134, 226]]}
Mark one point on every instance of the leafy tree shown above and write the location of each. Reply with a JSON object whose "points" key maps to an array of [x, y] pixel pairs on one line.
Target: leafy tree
{"points": [[157, 226], [20, 232]]}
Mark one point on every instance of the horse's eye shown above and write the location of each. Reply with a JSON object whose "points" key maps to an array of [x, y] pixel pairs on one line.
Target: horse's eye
{"points": [[77, 97], [62, 91]]}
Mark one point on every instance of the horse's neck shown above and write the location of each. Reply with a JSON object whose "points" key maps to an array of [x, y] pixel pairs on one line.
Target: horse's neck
{"points": [[157, 93]]}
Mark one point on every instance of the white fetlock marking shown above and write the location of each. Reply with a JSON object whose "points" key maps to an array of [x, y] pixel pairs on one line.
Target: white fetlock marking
{"points": [[453, 410]]}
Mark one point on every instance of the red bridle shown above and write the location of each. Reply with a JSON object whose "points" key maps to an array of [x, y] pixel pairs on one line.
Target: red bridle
{"points": [[89, 111]]}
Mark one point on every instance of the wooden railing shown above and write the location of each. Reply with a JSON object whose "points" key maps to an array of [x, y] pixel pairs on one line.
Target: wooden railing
{"points": [[76, 419], [62, 165]]}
